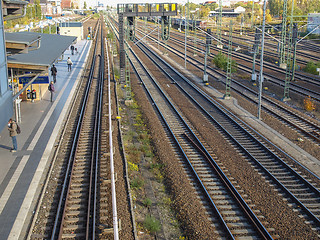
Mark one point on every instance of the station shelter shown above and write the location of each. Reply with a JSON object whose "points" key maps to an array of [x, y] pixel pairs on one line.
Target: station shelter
{"points": [[30, 56]]}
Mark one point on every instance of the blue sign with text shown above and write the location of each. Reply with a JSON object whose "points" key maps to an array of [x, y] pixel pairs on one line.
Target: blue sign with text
{"points": [[39, 80]]}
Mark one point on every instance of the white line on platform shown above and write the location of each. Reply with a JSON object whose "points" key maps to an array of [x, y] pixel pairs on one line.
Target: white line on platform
{"points": [[7, 192]]}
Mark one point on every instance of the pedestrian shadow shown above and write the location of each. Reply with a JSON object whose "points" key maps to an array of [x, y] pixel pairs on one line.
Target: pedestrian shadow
{"points": [[5, 147]]}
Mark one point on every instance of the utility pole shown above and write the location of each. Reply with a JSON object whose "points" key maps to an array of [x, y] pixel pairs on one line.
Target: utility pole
{"points": [[219, 30], [255, 52], [185, 33], [208, 43], [228, 80], [252, 13], [261, 58], [290, 58]]}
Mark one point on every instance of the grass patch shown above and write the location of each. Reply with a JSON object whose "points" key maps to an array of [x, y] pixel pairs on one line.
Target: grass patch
{"points": [[137, 183]]}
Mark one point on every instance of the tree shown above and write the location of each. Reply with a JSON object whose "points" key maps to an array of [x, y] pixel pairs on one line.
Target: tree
{"points": [[85, 5], [212, 6], [204, 11], [37, 9]]}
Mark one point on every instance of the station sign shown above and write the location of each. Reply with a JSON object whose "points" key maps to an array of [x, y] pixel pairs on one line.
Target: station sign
{"points": [[39, 80]]}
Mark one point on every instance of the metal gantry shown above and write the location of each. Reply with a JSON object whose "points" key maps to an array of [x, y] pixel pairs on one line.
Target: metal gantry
{"points": [[139, 10]]}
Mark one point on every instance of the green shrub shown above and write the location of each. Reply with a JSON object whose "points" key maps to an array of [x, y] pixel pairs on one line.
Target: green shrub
{"points": [[221, 61], [151, 224], [312, 67]]}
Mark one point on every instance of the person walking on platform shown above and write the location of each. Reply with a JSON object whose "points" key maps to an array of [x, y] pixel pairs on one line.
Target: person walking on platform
{"points": [[69, 62], [72, 49], [54, 73], [51, 89], [12, 127]]}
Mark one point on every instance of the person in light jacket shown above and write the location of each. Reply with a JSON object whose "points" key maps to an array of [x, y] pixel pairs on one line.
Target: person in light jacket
{"points": [[69, 62]]}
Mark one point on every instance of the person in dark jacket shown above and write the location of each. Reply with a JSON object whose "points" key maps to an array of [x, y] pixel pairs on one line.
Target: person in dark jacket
{"points": [[51, 89], [12, 127], [72, 49], [54, 73]]}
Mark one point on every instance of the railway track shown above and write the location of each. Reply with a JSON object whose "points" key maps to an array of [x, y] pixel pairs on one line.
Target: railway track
{"points": [[308, 128], [76, 214], [272, 71], [76, 200], [296, 189]]}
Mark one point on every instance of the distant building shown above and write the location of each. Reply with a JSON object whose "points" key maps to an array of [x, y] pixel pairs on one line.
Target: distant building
{"points": [[228, 3], [65, 4], [314, 23], [228, 12]]}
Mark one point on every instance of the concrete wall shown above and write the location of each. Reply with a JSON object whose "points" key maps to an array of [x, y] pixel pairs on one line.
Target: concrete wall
{"points": [[6, 105]]}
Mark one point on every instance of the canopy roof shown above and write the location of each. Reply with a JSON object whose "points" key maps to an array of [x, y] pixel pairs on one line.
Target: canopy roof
{"points": [[39, 58]]}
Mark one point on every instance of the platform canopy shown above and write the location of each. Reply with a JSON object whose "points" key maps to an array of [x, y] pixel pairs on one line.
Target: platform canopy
{"points": [[40, 54]]}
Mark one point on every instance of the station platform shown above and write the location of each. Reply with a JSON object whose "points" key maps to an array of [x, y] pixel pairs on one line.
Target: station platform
{"points": [[21, 172]]}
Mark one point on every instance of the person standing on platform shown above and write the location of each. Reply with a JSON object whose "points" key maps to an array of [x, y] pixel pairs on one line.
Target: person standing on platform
{"points": [[69, 62], [51, 89], [72, 49], [54, 73], [12, 127]]}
